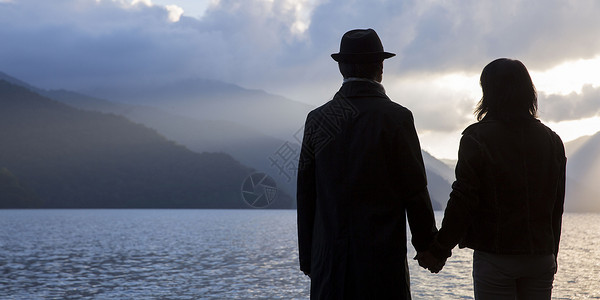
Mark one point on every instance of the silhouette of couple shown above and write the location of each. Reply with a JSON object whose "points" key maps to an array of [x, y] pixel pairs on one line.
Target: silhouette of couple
{"points": [[361, 176]]}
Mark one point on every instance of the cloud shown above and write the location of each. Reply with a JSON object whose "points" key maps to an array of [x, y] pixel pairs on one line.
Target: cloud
{"points": [[434, 36], [283, 46], [72, 44], [573, 106], [175, 12], [436, 104], [81, 43]]}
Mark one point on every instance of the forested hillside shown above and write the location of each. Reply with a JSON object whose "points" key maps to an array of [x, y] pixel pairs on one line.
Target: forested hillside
{"points": [[60, 156]]}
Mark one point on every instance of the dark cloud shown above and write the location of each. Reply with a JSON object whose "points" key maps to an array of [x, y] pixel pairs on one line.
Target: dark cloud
{"points": [[465, 35], [73, 43], [449, 36], [84, 43], [282, 45], [573, 106]]}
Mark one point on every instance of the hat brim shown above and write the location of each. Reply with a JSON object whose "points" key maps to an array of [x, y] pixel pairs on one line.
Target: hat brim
{"points": [[361, 57]]}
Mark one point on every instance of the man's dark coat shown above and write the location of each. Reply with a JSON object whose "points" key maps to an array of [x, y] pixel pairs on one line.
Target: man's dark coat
{"points": [[360, 174]]}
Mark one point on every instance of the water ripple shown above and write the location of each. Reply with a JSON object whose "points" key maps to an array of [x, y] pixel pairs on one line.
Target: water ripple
{"points": [[215, 254]]}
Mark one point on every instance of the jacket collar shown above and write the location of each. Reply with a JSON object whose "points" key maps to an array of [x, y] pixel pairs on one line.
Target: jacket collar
{"points": [[359, 87], [490, 119]]}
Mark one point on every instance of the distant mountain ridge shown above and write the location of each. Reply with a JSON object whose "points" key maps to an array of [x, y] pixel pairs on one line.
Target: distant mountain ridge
{"points": [[245, 143], [204, 99], [251, 146], [583, 171], [263, 114], [13, 194], [80, 159], [573, 146], [204, 129]]}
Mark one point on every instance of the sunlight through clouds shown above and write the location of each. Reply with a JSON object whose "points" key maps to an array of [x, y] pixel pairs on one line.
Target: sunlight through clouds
{"points": [[443, 105], [570, 130], [568, 77], [145, 2], [175, 12]]}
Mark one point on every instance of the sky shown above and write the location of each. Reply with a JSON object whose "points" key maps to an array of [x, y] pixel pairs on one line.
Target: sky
{"points": [[284, 47]]}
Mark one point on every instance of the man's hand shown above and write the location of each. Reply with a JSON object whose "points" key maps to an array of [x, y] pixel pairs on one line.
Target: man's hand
{"points": [[428, 261]]}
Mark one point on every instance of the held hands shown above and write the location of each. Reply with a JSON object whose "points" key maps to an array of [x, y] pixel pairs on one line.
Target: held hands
{"points": [[428, 261]]}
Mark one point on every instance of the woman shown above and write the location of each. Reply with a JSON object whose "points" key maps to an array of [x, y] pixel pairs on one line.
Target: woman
{"points": [[507, 200]]}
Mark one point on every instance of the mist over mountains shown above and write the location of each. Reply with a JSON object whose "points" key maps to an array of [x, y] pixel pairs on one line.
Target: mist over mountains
{"points": [[204, 99], [56, 156], [253, 126], [583, 171], [241, 140], [259, 130], [207, 132]]}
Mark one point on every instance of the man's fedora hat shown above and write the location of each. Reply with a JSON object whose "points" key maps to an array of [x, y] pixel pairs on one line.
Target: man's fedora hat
{"points": [[361, 46]]}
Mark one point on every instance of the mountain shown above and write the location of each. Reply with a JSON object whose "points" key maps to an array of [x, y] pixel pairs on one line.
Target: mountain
{"points": [[583, 171], [15, 81], [213, 107], [13, 194], [73, 158], [263, 152], [439, 167], [450, 163], [203, 99], [439, 180], [246, 145], [573, 146]]}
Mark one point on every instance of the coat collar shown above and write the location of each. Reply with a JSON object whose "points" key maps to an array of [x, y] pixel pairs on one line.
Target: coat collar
{"points": [[362, 88]]}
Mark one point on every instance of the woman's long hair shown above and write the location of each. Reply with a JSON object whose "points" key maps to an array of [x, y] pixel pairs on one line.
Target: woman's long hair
{"points": [[508, 92]]}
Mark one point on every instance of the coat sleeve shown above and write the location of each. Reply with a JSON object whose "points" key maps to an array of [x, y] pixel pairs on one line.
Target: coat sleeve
{"points": [[306, 197], [463, 198], [413, 178]]}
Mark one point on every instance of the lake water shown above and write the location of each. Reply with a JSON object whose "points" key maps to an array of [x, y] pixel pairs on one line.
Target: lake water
{"points": [[216, 254]]}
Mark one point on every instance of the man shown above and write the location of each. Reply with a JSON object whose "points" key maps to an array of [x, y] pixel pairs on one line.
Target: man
{"points": [[360, 174]]}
